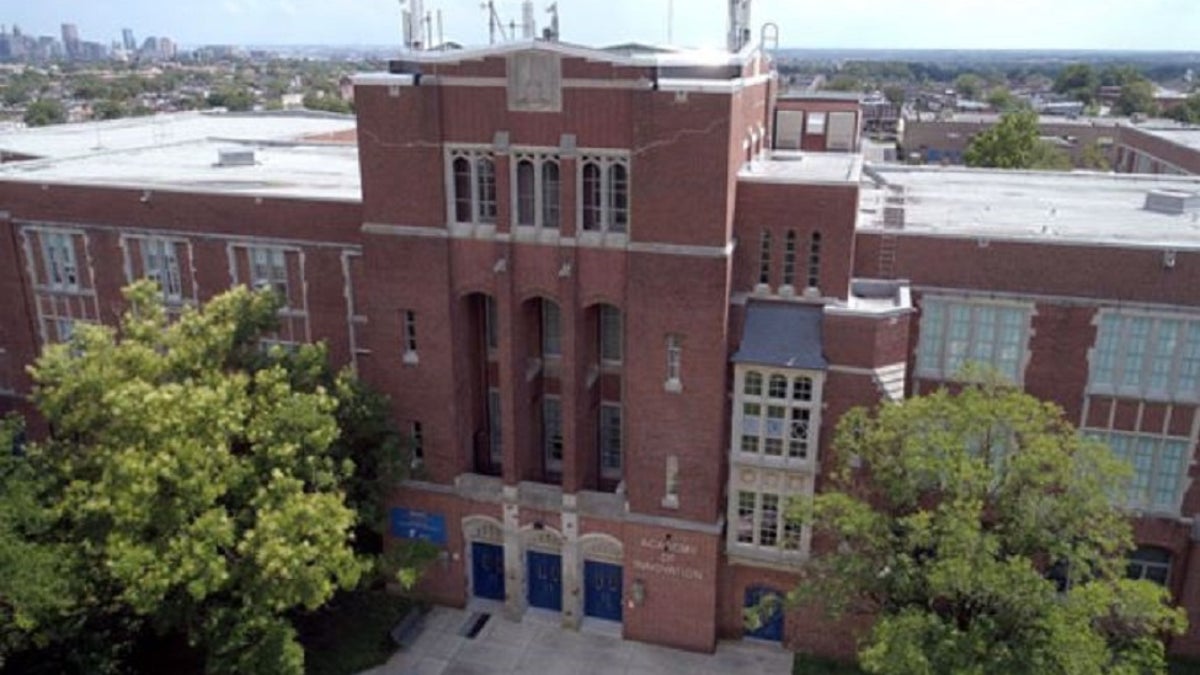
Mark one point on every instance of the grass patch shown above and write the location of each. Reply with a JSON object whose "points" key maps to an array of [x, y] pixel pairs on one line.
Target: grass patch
{"points": [[806, 664], [350, 633]]}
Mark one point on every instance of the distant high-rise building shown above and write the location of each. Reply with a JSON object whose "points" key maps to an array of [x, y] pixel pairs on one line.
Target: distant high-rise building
{"points": [[70, 37], [128, 40]]}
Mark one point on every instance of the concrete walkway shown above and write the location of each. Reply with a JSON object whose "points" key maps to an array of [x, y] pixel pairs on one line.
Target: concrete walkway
{"points": [[537, 644]]}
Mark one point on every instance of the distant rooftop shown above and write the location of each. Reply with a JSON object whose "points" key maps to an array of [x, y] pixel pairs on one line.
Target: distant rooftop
{"points": [[294, 155], [1188, 137], [1077, 207]]}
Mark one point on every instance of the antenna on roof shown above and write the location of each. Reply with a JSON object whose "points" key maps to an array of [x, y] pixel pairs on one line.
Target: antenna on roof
{"points": [[739, 25], [495, 23], [670, 22], [528, 27], [551, 33], [415, 24]]}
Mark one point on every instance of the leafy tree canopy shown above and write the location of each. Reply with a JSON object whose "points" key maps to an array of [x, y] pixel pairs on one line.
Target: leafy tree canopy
{"points": [[45, 111], [969, 85], [1079, 81], [978, 528], [1008, 144], [190, 486]]}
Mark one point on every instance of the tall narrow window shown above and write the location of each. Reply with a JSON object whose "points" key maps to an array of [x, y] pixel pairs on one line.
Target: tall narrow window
{"points": [[671, 496], [674, 362], [526, 193], [552, 438], [618, 198], [551, 194], [746, 507], [814, 260], [610, 334], [160, 264], [491, 327], [551, 329], [610, 440], [789, 259], [410, 336], [592, 197], [58, 255], [764, 258], [495, 435], [486, 179], [768, 525], [462, 190], [417, 438]]}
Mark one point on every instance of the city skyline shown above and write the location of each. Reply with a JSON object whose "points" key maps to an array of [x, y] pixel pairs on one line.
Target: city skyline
{"points": [[1159, 25]]}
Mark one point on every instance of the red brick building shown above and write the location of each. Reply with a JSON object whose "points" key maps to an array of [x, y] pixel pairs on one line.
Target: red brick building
{"points": [[619, 319]]}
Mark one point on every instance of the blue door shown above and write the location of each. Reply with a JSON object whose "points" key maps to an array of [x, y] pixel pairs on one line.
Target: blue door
{"points": [[770, 614], [602, 590], [487, 571], [545, 580]]}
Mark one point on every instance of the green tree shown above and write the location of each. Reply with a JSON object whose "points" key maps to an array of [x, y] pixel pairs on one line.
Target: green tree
{"points": [[1137, 96], [45, 111], [1002, 100], [233, 98], [1079, 81], [1093, 157], [894, 94], [969, 86], [1048, 157], [193, 477], [1011, 143], [978, 529], [843, 82], [108, 109], [1187, 112], [327, 103]]}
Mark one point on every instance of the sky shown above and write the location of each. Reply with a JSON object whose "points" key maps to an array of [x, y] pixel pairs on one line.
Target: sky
{"points": [[874, 24]]}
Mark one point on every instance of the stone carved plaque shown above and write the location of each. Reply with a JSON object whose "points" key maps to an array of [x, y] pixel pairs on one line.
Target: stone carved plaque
{"points": [[535, 82]]}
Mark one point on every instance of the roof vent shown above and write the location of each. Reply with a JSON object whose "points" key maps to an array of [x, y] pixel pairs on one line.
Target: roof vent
{"points": [[235, 157], [1172, 202]]}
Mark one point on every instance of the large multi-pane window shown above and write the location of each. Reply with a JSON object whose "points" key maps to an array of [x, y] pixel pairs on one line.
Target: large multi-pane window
{"points": [[1146, 356], [268, 270], [776, 414], [473, 183], [537, 191], [610, 440], [58, 257], [160, 263], [604, 202], [955, 332], [762, 522], [1160, 466], [552, 434], [1150, 563]]}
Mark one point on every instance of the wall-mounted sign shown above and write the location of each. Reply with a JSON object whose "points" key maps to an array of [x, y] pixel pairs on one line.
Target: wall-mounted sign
{"points": [[420, 525]]}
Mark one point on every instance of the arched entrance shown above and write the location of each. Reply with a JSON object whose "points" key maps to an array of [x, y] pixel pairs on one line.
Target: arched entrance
{"points": [[485, 546]]}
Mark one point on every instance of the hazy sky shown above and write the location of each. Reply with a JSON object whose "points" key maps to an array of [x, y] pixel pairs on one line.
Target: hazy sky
{"points": [[976, 24]]}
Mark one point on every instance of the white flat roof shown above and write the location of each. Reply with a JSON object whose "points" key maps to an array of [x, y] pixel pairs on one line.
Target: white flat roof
{"points": [[1045, 207], [87, 138], [786, 166], [180, 152], [1188, 137]]}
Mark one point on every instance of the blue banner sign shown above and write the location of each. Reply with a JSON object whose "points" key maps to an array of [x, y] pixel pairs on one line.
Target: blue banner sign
{"points": [[421, 525]]}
